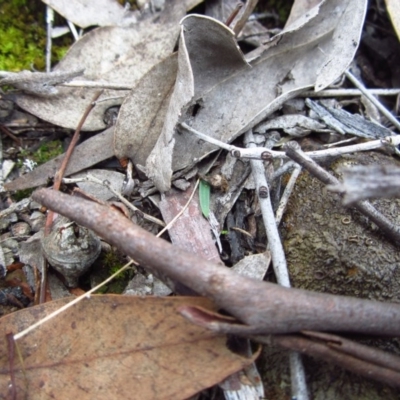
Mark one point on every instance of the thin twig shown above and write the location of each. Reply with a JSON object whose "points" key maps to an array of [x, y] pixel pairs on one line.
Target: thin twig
{"points": [[11, 135], [373, 99], [264, 153], [49, 23], [60, 173], [299, 386], [294, 151], [363, 360], [349, 92], [286, 194], [57, 183], [233, 14], [73, 30], [93, 179], [244, 16]]}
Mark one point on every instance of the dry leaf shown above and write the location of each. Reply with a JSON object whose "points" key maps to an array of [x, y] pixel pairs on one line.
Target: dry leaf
{"points": [[116, 347], [110, 55], [191, 231], [142, 114], [86, 13], [87, 154], [229, 96], [299, 8], [116, 180], [393, 8]]}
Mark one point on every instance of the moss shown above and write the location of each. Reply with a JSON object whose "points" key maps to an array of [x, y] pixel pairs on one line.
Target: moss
{"points": [[47, 151], [22, 194], [23, 36], [114, 262], [280, 7]]}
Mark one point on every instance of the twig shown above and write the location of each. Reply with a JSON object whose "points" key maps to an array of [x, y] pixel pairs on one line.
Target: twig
{"points": [[286, 194], [233, 14], [283, 169], [91, 178], [49, 23], [57, 183], [60, 173], [349, 92], [99, 85], [374, 181], [294, 151], [11, 135], [73, 30], [265, 153], [274, 309], [373, 99], [363, 360], [244, 16], [274, 241], [87, 294], [299, 386]]}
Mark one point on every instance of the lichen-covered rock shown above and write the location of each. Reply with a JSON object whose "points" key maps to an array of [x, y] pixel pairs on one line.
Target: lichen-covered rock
{"points": [[332, 249], [336, 250]]}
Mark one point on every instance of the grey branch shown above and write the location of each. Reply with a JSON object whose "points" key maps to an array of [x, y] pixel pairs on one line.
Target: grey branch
{"points": [[263, 307], [362, 183]]}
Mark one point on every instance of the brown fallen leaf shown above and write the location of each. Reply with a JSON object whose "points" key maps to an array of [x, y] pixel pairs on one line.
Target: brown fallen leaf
{"points": [[228, 96], [109, 54], [191, 231], [114, 346]]}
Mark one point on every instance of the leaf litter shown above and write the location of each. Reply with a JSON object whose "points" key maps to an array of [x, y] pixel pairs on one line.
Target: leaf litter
{"points": [[207, 85], [113, 346]]}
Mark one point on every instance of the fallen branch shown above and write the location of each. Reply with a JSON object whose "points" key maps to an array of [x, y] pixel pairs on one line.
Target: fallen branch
{"points": [[360, 359], [374, 181], [262, 307]]}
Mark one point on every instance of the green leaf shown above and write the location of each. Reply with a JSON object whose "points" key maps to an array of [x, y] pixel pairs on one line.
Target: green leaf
{"points": [[204, 193]]}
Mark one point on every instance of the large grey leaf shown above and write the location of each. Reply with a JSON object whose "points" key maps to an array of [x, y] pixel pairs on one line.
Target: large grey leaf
{"points": [[141, 117], [229, 96], [86, 13], [110, 55]]}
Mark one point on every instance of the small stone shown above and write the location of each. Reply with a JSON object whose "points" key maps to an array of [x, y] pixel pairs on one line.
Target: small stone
{"points": [[20, 230]]}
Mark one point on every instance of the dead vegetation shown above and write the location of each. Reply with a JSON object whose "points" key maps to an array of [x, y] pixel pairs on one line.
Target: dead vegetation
{"points": [[242, 145]]}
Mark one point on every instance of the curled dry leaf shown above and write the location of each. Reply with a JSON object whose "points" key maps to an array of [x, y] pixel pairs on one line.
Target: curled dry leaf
{"points": [[112, 346], [219, 93], [111, 55]]}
